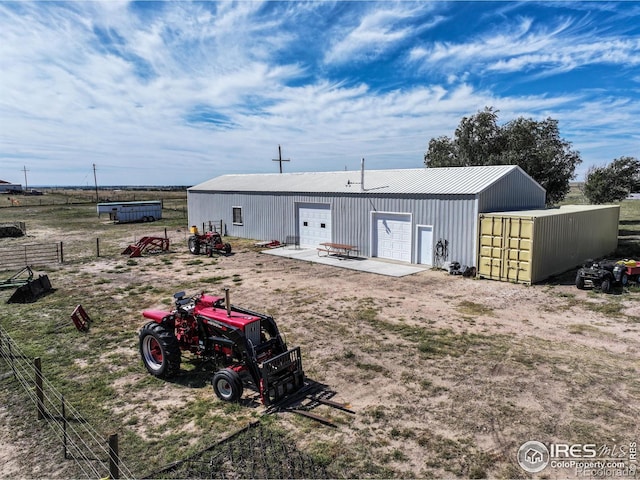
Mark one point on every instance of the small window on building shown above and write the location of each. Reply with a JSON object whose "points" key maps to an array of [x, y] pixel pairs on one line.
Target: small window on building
{"points": [[323, 225], [306, 224], [237, 215]]}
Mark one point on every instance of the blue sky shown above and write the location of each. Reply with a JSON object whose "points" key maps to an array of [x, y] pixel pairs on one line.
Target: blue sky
{"points": [[177, 92]]}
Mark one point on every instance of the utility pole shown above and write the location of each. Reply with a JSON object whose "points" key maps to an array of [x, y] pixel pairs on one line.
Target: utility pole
{"points": [[280, 159], [95, 181], [26, 185]]}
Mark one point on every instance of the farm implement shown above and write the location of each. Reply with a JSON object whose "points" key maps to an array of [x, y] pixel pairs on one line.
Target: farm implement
{"points": [[245, 347], [147, 244], [29, 290]]}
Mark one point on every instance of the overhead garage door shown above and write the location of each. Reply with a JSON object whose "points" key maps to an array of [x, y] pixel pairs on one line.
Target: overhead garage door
{"points": [[392, 236], [314, 224]]}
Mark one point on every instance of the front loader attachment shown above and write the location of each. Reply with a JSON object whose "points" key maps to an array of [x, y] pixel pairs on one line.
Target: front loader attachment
{"points": [[32, 290], [282, 375]]}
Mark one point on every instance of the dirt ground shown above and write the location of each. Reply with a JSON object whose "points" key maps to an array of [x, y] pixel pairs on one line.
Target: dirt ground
{"points": [[448, 376]]}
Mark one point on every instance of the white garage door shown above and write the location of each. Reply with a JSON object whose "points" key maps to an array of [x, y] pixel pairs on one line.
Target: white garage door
{"points": [[314, 224], [392, 236]]}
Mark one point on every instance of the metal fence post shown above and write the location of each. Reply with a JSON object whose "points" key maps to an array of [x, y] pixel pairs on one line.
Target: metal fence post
{"points": [[39, 392], [114, 469]]}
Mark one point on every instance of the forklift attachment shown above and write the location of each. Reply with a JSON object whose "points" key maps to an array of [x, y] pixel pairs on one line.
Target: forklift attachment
{"points": [[282, 375]]}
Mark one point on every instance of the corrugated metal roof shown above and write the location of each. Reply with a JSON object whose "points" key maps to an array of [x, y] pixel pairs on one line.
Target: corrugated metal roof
{"points": [[445, 181]]}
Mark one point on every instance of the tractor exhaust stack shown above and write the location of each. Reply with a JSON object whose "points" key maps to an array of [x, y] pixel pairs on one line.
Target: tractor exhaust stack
{"points": [[227, 301]]}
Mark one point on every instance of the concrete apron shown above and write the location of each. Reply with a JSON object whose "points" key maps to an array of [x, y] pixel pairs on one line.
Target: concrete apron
{"points": [[370, 265]]}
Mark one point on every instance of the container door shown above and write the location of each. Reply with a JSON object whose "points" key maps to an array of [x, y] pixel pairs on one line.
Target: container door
{"points": [[517, 254], [505, 248], [490, 246]]}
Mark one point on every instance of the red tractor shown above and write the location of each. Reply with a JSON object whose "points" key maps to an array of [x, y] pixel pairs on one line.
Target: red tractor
{"points": [[245, 347], [208, 242]]}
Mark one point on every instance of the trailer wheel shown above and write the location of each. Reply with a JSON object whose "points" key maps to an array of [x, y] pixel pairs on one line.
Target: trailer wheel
{"points": [[605, 286], [624, 280], [227, 385], [194, 245], [580, 281], [159, 350]]}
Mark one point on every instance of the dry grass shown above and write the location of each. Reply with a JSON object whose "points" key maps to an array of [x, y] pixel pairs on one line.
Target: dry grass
{"points": [[448, 376]]}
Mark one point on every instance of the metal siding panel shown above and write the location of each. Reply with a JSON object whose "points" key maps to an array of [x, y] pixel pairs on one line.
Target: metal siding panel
{"points": [[515, 191], [272, 217]]}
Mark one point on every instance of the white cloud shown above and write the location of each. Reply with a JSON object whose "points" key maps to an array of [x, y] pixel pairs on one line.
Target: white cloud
{"points": [[92, 82], [377, 32]]}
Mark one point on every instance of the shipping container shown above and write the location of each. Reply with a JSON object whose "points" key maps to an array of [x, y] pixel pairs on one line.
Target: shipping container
{"points": [[531, 246], [122, 212]]}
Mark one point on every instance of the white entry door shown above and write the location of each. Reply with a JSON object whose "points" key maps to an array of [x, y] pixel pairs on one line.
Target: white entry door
{"points": [[392, 236], [314, 224], [425, 244]]}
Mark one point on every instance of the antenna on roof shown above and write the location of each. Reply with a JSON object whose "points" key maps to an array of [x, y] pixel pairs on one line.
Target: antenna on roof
{"points": [[361, 182], [280, 159]]}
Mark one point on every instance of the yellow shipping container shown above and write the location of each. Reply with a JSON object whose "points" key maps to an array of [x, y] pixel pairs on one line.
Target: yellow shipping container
{"points": [[530, 246]]}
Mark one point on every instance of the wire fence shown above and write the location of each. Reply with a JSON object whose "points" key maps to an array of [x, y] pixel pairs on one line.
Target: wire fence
{"points": [[253, 452], [95, 455]]}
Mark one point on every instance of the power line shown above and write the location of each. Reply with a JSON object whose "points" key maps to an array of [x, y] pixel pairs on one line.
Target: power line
{"points": [[280, 159]]}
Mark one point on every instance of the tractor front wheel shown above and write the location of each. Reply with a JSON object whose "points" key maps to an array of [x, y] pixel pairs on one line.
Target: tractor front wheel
{"points": [[227, 248], [227, 385], [159, 350], [579, 281], [605, 286], [194, 245]]}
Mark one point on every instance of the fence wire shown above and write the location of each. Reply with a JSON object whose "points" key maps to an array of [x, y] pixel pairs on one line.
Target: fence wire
{"points": [[79, 440], [255, 452]]}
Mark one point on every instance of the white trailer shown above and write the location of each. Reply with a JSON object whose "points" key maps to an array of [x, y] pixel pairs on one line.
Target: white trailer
{"points": [[122, 212]]}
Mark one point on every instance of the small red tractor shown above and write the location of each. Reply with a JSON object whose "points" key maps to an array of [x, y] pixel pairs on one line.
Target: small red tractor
{"points": [[245, 347], [208, 242]]}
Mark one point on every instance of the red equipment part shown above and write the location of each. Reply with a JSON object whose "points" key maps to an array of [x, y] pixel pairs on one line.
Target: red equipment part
{"points": [[80, 319], [147, 244]]}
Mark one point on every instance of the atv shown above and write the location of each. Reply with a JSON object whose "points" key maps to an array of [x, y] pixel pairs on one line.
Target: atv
{"points": [[605, 275], [244, 347], [208, 242]]}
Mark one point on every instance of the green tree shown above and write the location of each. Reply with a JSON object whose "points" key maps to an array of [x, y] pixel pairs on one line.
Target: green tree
{"points": [[614, 182], [535, 146]]}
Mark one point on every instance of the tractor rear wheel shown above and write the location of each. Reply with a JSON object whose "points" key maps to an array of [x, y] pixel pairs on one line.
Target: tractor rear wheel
{"points": [[227, 385], [194, 245], [159, 350]]}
